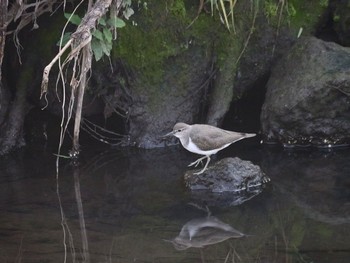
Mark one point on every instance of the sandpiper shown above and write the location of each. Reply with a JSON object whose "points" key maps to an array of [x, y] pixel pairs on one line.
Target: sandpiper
{"points": [[205, 139]]}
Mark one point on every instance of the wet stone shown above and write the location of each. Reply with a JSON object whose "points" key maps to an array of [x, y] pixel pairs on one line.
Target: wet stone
{"points": [[307, 98], [227, 175]]}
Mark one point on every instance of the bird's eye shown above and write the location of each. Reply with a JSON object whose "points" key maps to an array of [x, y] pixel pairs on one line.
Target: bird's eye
{"points": [[178, 130]]}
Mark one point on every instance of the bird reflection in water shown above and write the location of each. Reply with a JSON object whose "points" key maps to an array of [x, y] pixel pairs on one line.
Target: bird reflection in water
{"points": [[204, 231]]}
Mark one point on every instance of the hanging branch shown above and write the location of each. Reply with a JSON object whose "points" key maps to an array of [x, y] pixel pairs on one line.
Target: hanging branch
{"points": [[79, 39], [26, 12], [81, 56]]}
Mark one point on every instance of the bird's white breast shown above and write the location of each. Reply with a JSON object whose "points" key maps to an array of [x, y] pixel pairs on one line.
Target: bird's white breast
{"points": [[193, 148]]}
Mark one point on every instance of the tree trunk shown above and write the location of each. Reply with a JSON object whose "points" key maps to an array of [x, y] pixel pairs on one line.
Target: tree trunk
{"points": [[11, 123], [11, 117], [12, 113], [3, 15], [11, 129]]}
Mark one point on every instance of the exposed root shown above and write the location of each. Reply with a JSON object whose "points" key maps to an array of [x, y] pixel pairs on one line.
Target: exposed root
{"points": [[81, 57], [101, 134]]}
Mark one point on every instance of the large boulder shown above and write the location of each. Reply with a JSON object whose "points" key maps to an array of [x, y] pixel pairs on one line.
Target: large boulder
{"points": [[308, 96]]}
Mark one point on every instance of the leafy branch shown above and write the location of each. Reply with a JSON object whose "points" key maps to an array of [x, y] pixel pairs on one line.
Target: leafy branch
{"points": [[92, 27], [102, 37]]}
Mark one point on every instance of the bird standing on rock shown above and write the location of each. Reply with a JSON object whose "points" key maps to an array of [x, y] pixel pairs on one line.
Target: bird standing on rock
{"points": [[205, 139]]}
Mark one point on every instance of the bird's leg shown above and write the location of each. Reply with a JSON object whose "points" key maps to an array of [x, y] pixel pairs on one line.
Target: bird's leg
{"points": [[205, 167], [196, 162]]}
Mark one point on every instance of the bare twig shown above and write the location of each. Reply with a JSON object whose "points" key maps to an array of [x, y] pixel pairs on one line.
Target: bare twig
{"points": [[280, 6], [339, 88], [251, 31], [47, 69]]}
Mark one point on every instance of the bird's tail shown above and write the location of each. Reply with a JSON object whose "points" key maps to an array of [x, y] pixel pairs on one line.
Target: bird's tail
{"points": [[248, 135]]}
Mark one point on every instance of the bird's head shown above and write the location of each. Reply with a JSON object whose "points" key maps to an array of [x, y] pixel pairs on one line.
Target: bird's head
{"points": [[180, 129]]}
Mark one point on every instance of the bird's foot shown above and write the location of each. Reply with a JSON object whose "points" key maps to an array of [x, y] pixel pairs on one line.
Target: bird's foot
{"points": [[201, 171], [196, 162], [206, 164]]}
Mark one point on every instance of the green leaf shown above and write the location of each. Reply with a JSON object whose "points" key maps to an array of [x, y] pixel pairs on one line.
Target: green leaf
{"points": [[116, 22], [65, 39], [74, 19], [108, 35], [98, 34], [102, 21], [106, 50], [109, 46], [126, 3], [128, 13], [97, 49]]}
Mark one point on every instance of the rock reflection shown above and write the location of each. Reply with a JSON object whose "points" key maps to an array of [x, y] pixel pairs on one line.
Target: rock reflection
{"points": [[225, 199], [203, 232], [309, 177]]}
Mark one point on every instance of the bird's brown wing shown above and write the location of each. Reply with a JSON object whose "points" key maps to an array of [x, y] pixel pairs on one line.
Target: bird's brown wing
{"points": [[208, 137]]}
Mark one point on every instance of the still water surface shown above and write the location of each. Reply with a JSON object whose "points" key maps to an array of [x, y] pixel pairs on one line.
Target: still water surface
{"points": [[130, 205]]}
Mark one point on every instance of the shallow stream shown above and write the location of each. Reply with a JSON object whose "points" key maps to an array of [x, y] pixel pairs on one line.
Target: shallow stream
{"points": [[130, 205]]}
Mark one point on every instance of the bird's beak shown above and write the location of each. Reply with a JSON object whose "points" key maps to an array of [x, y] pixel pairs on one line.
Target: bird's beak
{"points": [[169, 134]]}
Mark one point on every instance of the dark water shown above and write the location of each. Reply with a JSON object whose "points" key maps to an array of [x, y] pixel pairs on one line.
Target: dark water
{"points": [[129, 206]]}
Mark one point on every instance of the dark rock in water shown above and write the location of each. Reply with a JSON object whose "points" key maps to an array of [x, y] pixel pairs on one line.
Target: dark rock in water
{"points": [[308, 96], [227, 175]]}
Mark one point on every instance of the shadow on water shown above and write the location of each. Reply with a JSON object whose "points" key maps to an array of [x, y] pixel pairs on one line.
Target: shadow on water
{"points": [[126, 205]]}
